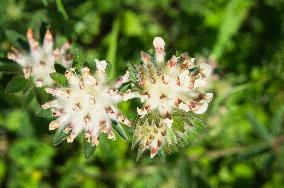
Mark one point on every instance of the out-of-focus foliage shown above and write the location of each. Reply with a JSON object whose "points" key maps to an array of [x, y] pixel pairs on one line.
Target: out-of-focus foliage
{"points": [[243, 143]]}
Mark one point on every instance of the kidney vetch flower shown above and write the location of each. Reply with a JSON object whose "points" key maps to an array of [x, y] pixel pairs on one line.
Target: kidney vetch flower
{"points": [[39, 62], [167, 86], [87, 104]]}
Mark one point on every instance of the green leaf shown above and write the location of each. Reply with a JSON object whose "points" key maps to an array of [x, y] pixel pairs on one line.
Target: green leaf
{"points": [[17, 39], [89, 150], [162, 155], [61, 9], [112, 48], [259, 128], [59, 136], [253, 151], [41, 95], [197, 123], [194, 70], [132, 24], [124, 87], [118, 128], [16, 84], [277, 121], [59, 68], [268, 163], [78, 59], [42, 30], [231, 24], [44, 113], [7, 65], [29, 96], [59, 78], [44, 2], [133, 74]]}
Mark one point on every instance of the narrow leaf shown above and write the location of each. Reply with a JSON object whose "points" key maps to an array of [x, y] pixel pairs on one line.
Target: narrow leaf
{"points": [[17, 39], [61, 9], [124, 87], [89, 150], [259, 128], [16, 84], [7, 65], [231, 24], [59, 136], [44, 113], [42, 30], [29, 96], [112, 47], [118, 128], [277, 121]]}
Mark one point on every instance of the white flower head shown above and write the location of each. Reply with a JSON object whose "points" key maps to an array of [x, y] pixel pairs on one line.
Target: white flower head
{"points": [[87, 105], [175, 84], [39, 62], [169, 85]]}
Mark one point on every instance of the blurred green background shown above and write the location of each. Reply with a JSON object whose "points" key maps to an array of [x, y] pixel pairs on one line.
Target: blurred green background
{"points": [[243, 143]]}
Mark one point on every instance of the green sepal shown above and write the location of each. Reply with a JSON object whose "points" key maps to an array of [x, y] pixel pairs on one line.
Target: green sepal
{"points": [[78, 60], [133, 74]]}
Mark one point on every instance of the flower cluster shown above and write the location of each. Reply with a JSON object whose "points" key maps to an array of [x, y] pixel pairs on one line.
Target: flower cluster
{"points": [[87, 105], [171, 91], [39, 62], [168, 85]]}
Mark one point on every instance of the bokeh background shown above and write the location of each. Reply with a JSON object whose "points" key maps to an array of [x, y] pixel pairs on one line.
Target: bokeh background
{"points": [[242, 145]]}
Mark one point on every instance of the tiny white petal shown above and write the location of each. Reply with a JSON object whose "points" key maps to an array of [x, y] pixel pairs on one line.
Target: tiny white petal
{"points": [[199, 83], [168, 122], [101, 65], [200, 108], [184, 107], [205, 69], [125, 78], [159, 45], [142, 112], [158, 42]]}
